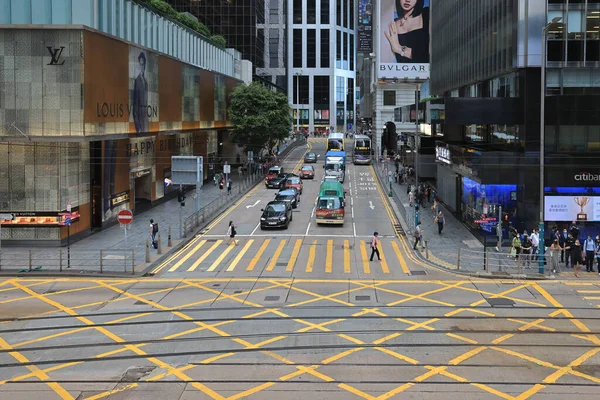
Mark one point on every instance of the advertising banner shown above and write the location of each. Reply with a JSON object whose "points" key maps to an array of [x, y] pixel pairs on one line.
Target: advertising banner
{"points": [[365, 26], [403, 39], [572, 208]]}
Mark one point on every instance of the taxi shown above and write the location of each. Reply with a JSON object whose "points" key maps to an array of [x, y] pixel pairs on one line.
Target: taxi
{"points": [[273, 172], [294, 182], [307, 172]]}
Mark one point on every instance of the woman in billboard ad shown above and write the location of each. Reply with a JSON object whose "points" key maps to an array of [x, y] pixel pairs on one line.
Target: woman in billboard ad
{"points": [[405, 39]]}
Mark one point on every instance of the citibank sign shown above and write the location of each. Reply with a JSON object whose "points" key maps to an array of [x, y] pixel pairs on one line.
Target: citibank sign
{"points": [[587, 177]]}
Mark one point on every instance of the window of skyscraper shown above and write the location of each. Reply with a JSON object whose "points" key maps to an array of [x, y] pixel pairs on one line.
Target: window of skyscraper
{"points": [[311, 11], [345, 14], [297, 11], [273, 11], [324, 11], [351, 14], [345, 49], [321, 92], [351, 52], [324, 48], [273, 48], [297, 40], [311, 48], [338, 49], [338, 11]]}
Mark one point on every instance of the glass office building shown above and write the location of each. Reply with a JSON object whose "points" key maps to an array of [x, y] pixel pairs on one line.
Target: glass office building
{"points": [[486, 59]]}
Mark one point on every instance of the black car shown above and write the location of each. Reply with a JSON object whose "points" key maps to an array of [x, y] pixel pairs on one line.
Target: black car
{"points": [[278, 182], [277, 214], [292, 196], [310, 158]]}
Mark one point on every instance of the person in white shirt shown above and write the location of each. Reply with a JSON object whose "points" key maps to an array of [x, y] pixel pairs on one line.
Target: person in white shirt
{"points": [[535, 241]]}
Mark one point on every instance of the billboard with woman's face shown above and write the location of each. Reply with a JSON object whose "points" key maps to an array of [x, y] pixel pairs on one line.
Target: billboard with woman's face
{"points": [[404, 39]]}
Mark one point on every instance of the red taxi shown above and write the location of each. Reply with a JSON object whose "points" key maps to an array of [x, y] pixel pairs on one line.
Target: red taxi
{"points": [[294, 182], [307, 172]]}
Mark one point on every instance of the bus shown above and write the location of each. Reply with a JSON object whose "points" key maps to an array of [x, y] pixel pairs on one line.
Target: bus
{"points": [[361, 153], [335, 141], [330, 204]]}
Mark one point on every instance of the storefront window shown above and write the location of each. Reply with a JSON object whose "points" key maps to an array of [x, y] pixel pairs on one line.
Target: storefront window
{"points": [[484, 201], [504, 134], [476, 133]]}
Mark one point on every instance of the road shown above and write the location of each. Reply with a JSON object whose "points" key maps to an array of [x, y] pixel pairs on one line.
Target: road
{"points": [[305, 249], [299, 314]]}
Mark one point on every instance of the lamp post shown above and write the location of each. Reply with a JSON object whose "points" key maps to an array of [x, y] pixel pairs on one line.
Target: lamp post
{"points": [[417, 137], [542, 245], [297, 74]]}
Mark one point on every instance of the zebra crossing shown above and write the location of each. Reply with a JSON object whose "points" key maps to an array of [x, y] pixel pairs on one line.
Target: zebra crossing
{"points": [[289, 256]]}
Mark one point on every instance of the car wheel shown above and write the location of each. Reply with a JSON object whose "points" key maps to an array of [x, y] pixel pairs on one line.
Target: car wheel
{"points": [[262, 228], [291, 217], [287, 225]]}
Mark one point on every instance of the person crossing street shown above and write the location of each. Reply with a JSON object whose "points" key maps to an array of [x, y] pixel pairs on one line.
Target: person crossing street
{"points": [[374, 249]]}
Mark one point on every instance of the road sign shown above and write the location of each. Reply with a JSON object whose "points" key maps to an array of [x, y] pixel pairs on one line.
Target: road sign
{"points": [[187, 170], [68, 206], [125, 217], [250, 156], [67, 221], [349, 126], [227, 168], [6, 217]]}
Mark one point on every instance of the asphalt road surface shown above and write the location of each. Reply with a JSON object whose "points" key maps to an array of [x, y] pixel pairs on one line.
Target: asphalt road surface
{"points": [[305, 249]]}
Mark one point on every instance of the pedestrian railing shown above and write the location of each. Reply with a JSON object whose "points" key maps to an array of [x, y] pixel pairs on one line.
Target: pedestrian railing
{"points": [[68, 260], [502, 262], [210, 210]]}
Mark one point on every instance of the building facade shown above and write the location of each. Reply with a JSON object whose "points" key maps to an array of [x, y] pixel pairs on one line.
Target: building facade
{"points": [[321, 60], [89, 121], [486, 63]]}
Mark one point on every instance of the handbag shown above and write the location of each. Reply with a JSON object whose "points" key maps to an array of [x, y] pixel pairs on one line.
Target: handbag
{"points": [[513, 252]]}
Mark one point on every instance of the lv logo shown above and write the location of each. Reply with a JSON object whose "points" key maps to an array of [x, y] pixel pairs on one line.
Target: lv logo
{"points": [[55, 55]]}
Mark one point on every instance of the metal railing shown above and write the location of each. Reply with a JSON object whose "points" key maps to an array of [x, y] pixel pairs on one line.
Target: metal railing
{"points": [[502, 262], [65, 260]]}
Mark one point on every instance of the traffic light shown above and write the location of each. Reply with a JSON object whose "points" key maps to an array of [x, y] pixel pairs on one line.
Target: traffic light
{"points": [[181, 197]]}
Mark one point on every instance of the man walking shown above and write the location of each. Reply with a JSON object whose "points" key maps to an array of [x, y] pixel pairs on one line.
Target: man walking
{"points": [[569, 242], [440, 220], [374, 249], [535, 244], [153, 233], [590, 253], [418, 233]]}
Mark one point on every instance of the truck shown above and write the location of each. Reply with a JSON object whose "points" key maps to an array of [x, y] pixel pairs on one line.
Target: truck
{"points": [[335, 164]]}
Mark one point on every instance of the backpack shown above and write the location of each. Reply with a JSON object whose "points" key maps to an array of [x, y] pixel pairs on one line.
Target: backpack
{"points": [[155, 227]]}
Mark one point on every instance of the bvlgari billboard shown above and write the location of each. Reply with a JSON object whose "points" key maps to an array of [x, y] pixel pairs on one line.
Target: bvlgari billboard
{"points": [[403, 39]]}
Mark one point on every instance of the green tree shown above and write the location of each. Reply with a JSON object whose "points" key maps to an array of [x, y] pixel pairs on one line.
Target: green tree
{"points": [[260, 117], [218, 40]]}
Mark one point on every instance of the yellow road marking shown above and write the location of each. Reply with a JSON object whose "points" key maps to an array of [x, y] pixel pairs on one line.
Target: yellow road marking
{"points": [[216, 263], [467, 355], [459, 337], [294, 257], [384, 264], [365, 260], [237, 258], [312, 253], [38, 373], [187, 256], [346, 256], [112, 391], [204, 256], [276, 255], [589, 291], [400, 258], [329, 259], [257, 256]]}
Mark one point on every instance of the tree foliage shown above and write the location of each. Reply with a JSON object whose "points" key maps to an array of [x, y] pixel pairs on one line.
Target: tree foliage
{"points": [[218, 40], [260, 117]]}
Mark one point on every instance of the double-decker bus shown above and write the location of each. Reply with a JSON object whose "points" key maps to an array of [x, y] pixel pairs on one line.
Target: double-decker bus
{"points": [[335, 141], [361, 154]]}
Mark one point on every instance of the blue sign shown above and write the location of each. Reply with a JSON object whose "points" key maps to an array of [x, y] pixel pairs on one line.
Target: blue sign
{"points": [[67, 221], [349, 126]]}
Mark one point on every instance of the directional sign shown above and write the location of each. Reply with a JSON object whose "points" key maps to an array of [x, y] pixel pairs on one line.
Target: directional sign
{"points": [[226, 169], [67, 221], [68, 206], [125, 217], [6, 217], [349, 126]]}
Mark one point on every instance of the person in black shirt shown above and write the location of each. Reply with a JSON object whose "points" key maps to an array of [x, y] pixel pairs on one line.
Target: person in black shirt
{"points": [[574, 231], [576, 256], [569, 241]]}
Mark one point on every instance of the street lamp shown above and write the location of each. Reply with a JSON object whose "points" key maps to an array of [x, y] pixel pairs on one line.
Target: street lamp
{"points": [[542, 247], [417, 137], [297, 74]]}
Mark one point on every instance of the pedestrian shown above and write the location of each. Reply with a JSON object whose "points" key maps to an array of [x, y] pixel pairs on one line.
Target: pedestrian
{"points": [[568, 253], [535, 242], [153, 233], [221, 185], [576, 256], [499, 235], [561, 241], [590, 253], [418, 234], [240, 170], [440, 220], [515, 250], [374, 249], [526, 247], [410, 198], [428, 193], [574, 230], [554, 251], [231, 232], [229, 184]]}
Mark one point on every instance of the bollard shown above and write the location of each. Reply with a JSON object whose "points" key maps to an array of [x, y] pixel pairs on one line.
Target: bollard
{"points": [[487, 261], [426, 250], [159, 250], [169, 243], [100, 261], [185, 228], [147, 251], [132, 262], [458, 262], [60, 260], [30, 261]]}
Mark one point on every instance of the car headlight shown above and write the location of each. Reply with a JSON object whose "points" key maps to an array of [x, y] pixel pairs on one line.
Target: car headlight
{"points": [[282, 219], [263, 219]]}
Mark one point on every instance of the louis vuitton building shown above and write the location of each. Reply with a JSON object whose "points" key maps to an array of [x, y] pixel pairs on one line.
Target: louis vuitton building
{"points": [[89, 121]]}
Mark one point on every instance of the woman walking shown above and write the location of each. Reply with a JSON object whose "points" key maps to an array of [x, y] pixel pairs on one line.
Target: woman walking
{"points": [[231, 233], [555, 250], [440, 220], [576, 256]]}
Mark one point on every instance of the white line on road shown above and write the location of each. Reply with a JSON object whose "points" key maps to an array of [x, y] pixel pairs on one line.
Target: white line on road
{"points": [[312, 214], [257, 225], [307, 228], [352, 212], [253, 205], [354, 228]]}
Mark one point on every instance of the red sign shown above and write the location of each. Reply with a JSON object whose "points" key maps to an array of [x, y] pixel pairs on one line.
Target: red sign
{"points": [[125, 217]]}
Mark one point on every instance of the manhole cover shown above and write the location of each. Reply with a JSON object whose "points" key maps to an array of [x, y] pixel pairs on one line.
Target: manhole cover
{"points": [[362, 298], [216, 285], [271, 298], [500, 302], [418, 273], [237, 292]]}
